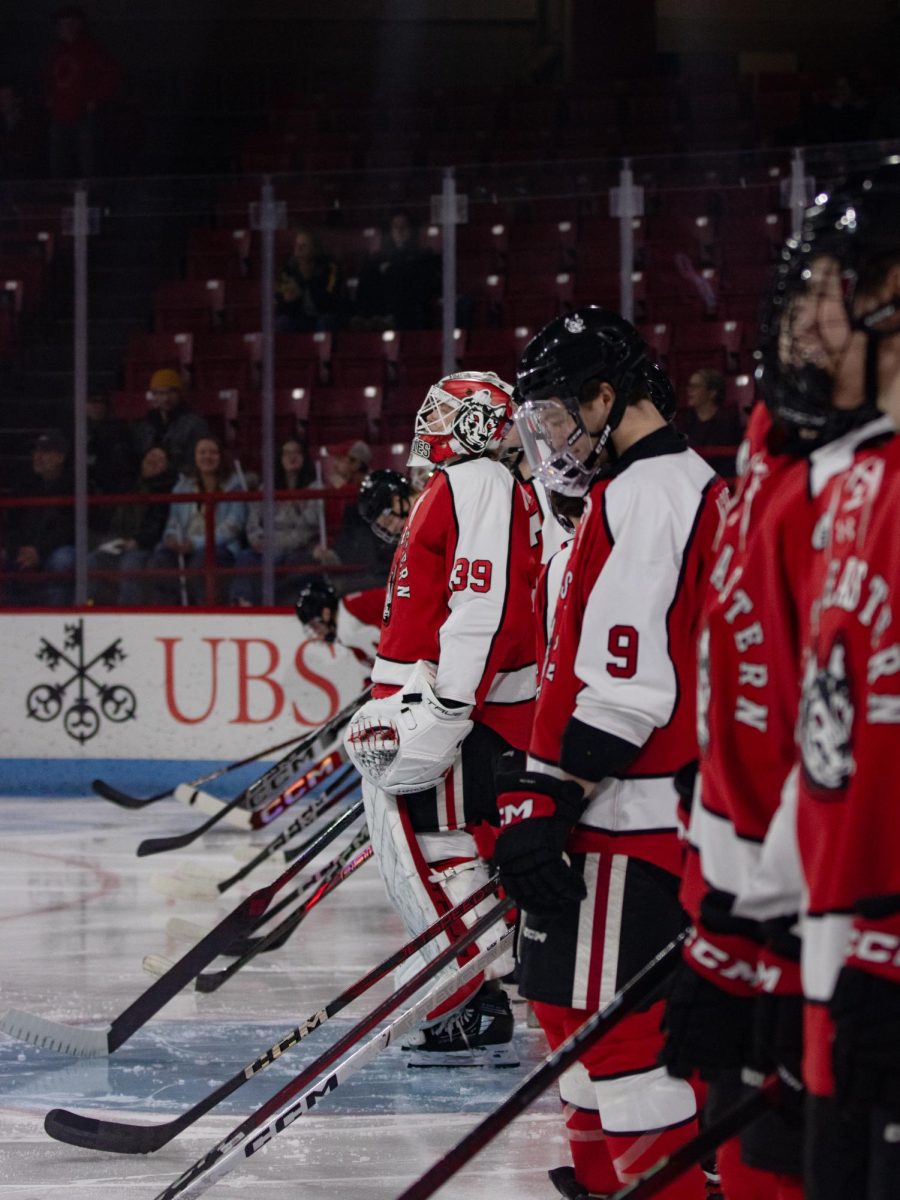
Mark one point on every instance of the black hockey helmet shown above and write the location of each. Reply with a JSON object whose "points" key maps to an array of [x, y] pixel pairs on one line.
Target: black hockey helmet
{"points": [[560, 369], [846, 242], [659, 389], [376, 496], [317, 595]]}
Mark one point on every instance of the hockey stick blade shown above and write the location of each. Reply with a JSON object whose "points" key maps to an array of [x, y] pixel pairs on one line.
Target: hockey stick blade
{"points": [[182, 930], [69, 1040], [243, 1144], [305, 817], [121, 1137], [156, 965], [330, 761], [127, 801], [276, 1113], [174, 888], [205, 802], [211, 981], [123, 799], [54, 1035], [244, 948]]}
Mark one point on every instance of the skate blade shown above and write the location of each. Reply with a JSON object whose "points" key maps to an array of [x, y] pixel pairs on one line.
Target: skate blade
{"points": [[482, 1056]]}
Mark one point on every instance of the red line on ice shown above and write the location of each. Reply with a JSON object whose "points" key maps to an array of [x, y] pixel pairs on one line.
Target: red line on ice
{"points": [[107, 880]]}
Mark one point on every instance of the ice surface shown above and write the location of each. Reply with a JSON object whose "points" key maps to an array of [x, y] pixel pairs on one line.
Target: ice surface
{"points": [[78, 913]]}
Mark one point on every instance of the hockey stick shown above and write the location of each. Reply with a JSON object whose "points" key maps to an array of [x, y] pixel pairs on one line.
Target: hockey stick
{"points": [[324, 741], [291, 1101], [124, 800], [90, 1043], [211, 981], [203, 886], [347, 776], [155, 964], [637, 989], [120, 1137], [693, 1152]]}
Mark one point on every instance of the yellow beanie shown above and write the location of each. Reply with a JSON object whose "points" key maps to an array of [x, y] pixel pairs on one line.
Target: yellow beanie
{"points": [[164, 380]]}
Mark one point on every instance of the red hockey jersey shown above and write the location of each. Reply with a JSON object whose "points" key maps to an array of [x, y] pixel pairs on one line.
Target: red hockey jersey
{"points": [[748, 670], [848, 821], [460, 596], [622, 656], [359, 622]]}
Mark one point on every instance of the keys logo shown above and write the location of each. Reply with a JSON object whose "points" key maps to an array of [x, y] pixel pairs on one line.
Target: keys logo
{"points": [[89, 691]]}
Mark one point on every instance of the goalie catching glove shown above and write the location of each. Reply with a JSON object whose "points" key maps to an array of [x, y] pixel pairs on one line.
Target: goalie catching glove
{"points": [[407, 742], [537, 813]]}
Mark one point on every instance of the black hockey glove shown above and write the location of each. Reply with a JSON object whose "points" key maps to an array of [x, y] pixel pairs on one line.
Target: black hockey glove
{"points": [[866, 1048], [709, 1014], [537, 813], [865, 1008]]}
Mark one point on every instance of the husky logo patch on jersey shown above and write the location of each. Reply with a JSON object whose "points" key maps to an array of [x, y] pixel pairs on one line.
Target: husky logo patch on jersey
{"points": [[475, 423], [826, 722]]}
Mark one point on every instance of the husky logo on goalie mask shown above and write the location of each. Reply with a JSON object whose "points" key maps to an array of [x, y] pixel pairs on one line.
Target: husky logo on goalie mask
{"points": [[827, 312], [465, 413], [560, 371]]}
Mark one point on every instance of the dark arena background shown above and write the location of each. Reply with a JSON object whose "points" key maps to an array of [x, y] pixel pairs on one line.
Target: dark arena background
{"points": [[238, 243]]}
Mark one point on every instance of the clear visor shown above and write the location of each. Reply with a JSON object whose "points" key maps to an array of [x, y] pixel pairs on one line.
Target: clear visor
{"points": [[814, 329], [559, 449]]}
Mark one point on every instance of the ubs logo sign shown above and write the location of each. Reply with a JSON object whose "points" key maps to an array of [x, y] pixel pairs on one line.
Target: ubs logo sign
{"points": [[80, 694]]}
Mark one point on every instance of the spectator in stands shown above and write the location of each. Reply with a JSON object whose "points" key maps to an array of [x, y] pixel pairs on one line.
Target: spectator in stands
{"points": [[81, 78], [298, 527], [169, 422], [184, 537], [111, 458], [42, 538], [708, 422], [134, 531], [399, 286], [311, 293], [348, 465]]}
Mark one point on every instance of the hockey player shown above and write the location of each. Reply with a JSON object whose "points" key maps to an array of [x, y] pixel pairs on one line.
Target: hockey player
{"points": [[848, 264], [385, 498], [614, 722], [454, 687]]}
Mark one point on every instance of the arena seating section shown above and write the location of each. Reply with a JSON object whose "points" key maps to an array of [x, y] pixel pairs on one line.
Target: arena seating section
{"points": [[539, 240]]}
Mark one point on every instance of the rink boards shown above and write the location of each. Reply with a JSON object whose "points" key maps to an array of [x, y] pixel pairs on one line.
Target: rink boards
{"points": [[147, 699]]}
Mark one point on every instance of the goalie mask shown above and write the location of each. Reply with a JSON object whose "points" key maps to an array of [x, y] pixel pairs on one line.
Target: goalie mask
{"points": [[818, 357], [560, 370], [463, 414], [384, 503]]}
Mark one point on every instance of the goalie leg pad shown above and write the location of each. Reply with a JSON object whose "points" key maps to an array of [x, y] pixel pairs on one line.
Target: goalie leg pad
{"points": [[423, 884]]}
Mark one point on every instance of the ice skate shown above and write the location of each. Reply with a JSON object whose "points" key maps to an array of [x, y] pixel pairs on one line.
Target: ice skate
{"points": [[566, 1183], [477, 1035]]}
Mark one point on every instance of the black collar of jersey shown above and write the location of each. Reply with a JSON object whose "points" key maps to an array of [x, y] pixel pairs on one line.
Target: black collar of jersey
{"points": [[666, 440]]}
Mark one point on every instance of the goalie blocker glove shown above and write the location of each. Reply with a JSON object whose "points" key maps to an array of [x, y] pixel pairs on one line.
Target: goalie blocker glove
{"points": [[537, 813], [407, 742]]}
